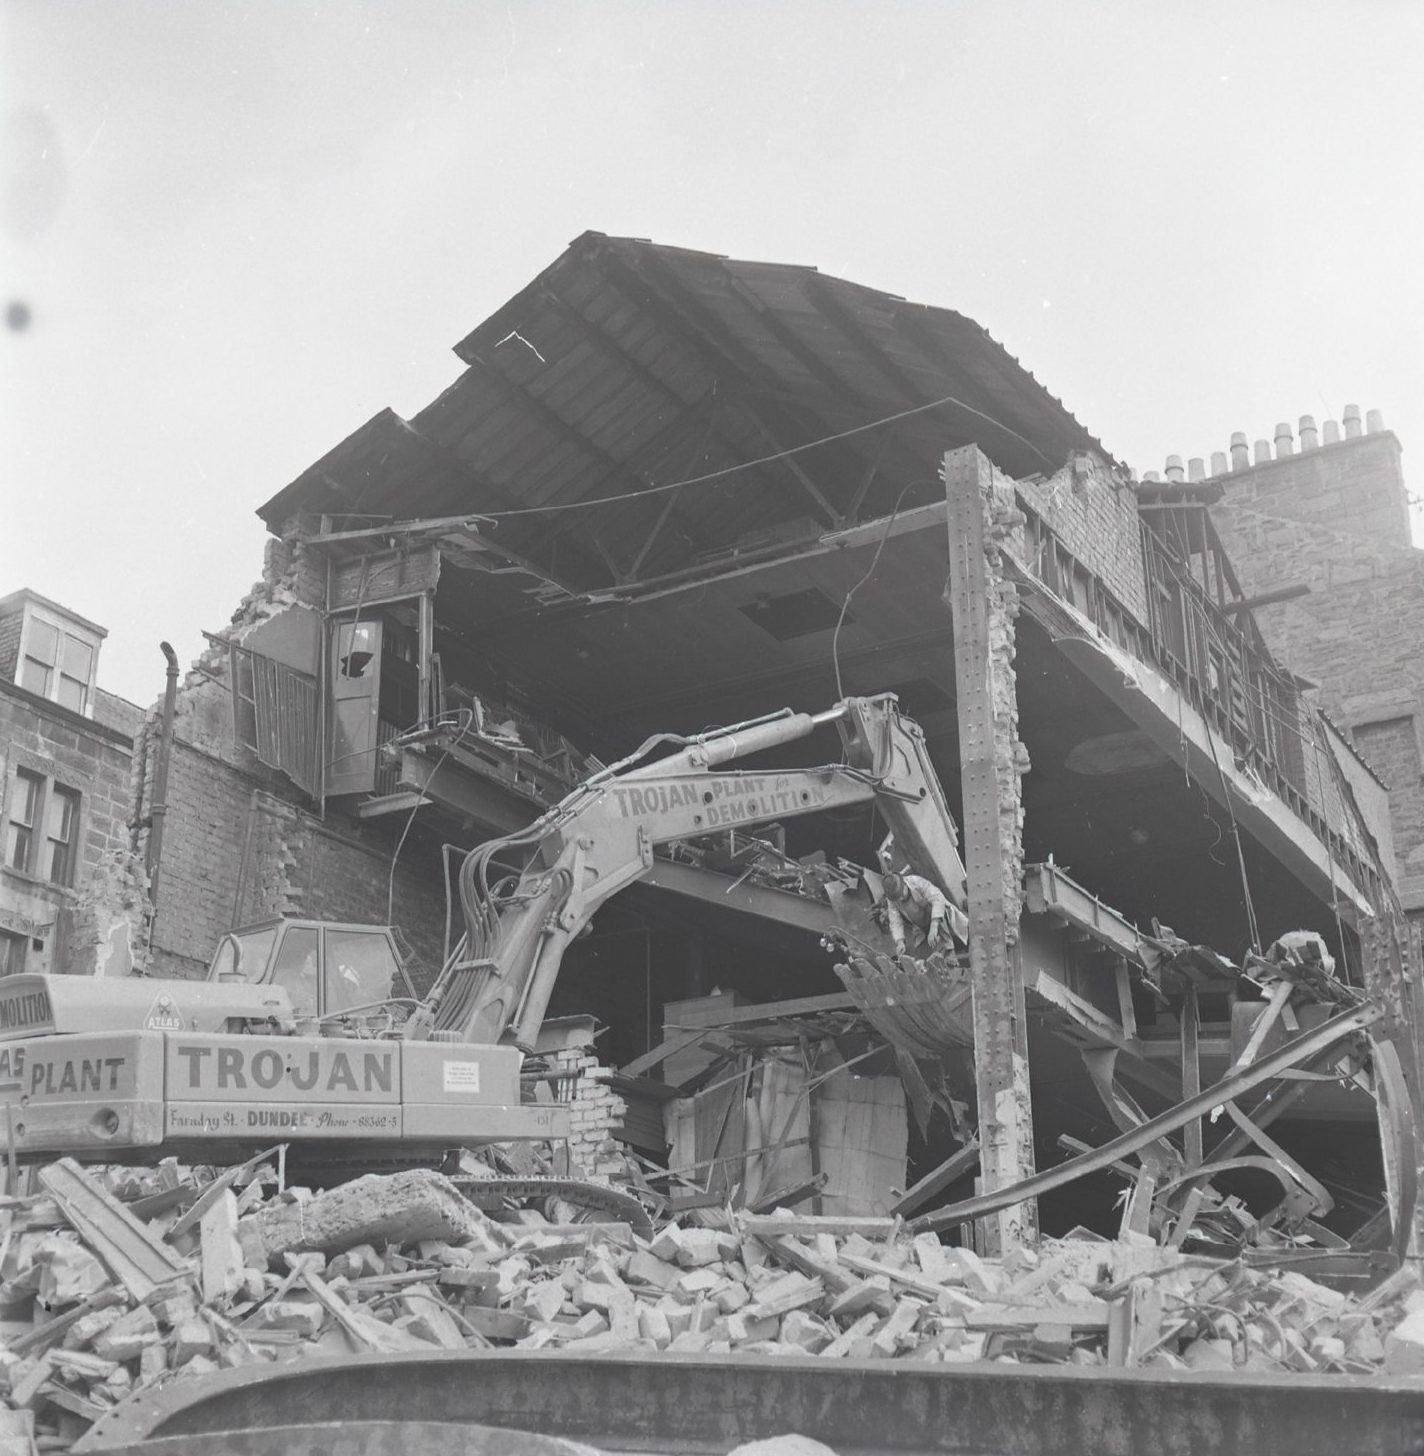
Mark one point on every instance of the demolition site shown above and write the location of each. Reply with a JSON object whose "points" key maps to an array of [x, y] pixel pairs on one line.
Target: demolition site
{"points": [[736, 857]]}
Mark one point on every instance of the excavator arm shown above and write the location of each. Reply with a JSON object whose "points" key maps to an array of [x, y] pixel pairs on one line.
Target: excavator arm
{"points": [[601, 838]]}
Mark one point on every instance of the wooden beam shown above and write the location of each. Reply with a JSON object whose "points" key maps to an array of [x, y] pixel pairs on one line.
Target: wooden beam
{"points": [[832, 515], [737, 1016], [1266, 599], [954, 1167], [1191, 1074], [699, 331]]}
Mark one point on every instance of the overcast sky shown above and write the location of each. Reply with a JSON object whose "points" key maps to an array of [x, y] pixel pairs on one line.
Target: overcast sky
{"points": [[242, 228]]}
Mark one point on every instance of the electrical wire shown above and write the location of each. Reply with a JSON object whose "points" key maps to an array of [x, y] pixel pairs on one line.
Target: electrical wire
{"points": [[410, 820], [715, 475], [870, 571]]}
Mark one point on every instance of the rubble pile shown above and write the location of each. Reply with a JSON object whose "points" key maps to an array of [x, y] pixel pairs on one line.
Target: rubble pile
{"points": [[115, 1281]]}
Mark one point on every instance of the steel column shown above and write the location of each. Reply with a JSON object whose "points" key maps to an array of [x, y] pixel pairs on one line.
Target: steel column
{"points": [[982, 604]]}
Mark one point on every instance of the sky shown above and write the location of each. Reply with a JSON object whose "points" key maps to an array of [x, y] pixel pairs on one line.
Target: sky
{"points": [[233, 230]]}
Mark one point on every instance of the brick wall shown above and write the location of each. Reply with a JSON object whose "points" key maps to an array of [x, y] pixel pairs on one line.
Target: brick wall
{"points": [[1335, 518], [11, 624], [595, 1113], [78, 754], [1094, 513], [237, 849]]}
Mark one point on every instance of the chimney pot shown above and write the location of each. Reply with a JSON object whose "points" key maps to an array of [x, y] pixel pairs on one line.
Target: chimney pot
{"points": [[1352, 422], [1263, 451], [1283, 440], [1218, 462], [1332, 432], [1196, 468], [1374, 422], [1308, 437], [1174, 467], [1240, 451]]}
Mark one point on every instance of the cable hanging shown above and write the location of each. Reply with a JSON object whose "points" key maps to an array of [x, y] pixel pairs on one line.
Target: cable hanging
{"points": [[715, 475]]}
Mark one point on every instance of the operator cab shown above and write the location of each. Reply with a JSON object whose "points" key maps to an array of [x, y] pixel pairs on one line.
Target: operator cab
{"points": [[326, 969]]}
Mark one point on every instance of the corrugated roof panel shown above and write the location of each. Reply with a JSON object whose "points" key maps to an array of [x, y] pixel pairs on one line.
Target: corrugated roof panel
{"points": [[638, 364]]}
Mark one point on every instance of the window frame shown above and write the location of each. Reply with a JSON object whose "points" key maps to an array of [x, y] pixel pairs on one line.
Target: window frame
{"points": [[51, 795], [23, 785], [63, 808], [65, 630], [14, 951]]}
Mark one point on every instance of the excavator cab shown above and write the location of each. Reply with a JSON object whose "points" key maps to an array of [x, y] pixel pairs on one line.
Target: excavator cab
{"points": [[327, 970]]}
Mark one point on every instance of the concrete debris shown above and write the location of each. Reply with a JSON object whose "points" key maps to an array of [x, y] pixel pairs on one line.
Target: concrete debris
{"points": [[403, 1263]]}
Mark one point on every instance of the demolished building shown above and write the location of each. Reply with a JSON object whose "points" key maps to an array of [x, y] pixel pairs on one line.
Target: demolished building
{"points": [[670, 491]]}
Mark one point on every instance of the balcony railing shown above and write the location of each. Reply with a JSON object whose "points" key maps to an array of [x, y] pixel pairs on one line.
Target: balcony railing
{"points": [[1222, 668]]}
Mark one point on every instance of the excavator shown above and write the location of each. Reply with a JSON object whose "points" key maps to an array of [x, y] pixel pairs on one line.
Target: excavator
{"points": [[310, 1034]]}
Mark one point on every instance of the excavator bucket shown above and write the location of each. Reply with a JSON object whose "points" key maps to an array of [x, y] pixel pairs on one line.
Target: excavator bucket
{"points": [[923, 1007]]}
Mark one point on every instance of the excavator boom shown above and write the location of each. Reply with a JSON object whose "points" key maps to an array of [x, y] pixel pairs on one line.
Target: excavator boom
{"points": [[602, 837]]}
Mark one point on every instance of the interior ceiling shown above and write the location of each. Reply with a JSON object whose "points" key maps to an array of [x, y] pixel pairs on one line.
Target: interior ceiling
{"points": [[725, 649], [626, 365]]}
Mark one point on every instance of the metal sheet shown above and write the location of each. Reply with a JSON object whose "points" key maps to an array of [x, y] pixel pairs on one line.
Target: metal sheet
{"points": [[703, 1403]]}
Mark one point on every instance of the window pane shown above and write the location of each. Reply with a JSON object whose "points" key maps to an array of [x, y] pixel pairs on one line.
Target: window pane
{"points": [[72, 693], [224, 960], [63, 827], [359, 969], [253, 950], [25, 797], [12, 953], [24, 806], [296, 969], [358, 647], [42, 641], [35, 677], [78, 659]]}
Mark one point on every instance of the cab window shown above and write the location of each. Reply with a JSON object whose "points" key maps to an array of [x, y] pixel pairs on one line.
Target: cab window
{"points": [[360, 969], [253, 950], [296, 969], [224, 960]]}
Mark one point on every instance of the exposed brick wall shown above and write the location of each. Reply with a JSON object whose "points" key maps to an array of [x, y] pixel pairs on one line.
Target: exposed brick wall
{"points": [[81, 755], [11, 624], [596, 1112], [236, 852], [1336, 519], [1094, 513], [203, 836]]}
